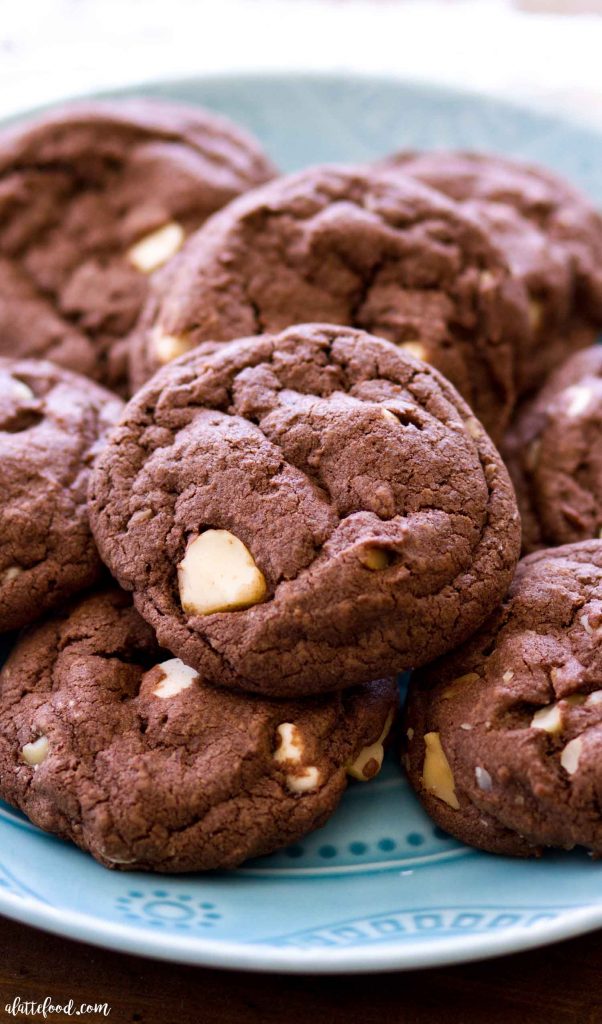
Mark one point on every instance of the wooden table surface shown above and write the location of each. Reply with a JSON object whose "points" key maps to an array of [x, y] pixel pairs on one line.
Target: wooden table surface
{"points": [[556, 985]]}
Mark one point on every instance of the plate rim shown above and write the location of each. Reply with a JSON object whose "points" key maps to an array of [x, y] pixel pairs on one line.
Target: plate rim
{"points": [[430, 89], [258, 957]]}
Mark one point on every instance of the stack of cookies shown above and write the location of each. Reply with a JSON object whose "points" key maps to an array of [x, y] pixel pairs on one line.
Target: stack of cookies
{"points": [[248, 431]]}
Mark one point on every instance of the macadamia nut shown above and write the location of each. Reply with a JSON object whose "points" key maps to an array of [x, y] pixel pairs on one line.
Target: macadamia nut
{"points": [[457, 684], [369, 761], [549, 719], [34, 754], [375, 559], [218, 574], [437, 775]]}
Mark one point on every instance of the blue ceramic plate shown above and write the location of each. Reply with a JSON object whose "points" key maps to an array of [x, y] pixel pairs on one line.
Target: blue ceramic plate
{"points": [[380, 887]]}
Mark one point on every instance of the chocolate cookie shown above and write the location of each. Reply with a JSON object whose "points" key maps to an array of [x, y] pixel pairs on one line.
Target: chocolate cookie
{"points": [[550, 234], [505, 734], [52, 426], [347, 247], [302, 512], [554, 454], [93, 198], [110, 742]]}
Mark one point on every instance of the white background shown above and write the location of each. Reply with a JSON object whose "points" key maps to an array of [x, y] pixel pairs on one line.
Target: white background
{"points": [[56, 48]]}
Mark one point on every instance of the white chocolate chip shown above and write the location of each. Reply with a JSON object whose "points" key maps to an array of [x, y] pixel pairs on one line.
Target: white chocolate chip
{"points": [[305, 781], [437, 775], [167, 347], [569, 757], [22, 391], [218, 574], [34, 754], [156, 248], [291, 745], [416, 349], [507, 676], [584, 620], [483, 778], [410, 734], [458, 684], [10, 574], [176, 677], [466, 726], [290, 751], [375, 559], [594, 698], [577, 400], [390, 415], [369, 761], [549, 719]]}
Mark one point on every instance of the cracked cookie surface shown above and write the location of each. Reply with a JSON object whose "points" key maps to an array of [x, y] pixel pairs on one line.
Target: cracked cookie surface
{"points": [[550, 234], [553, 451], [52, 426], [93, 198], [107, 740], [302, 512], [349, 247], [504, 735]]}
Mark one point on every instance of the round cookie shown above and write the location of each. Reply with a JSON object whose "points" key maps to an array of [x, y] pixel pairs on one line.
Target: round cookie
{"points": [[93, 198], [346, 246], [504, 736], [554, 454], [302, 512], [110, 742], [550, 234], [52, 426]]}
